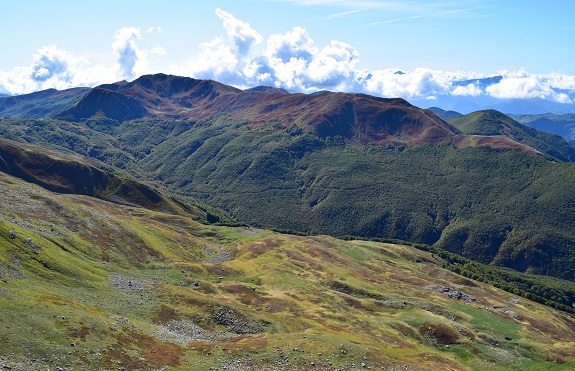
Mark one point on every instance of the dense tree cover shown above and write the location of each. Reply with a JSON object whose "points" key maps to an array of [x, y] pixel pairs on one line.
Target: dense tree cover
{"points": [[491, 122], [500, 207], [553, 292]]}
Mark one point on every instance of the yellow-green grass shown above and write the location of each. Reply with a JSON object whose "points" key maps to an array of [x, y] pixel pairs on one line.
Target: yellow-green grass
{"points": [[88, 284]]}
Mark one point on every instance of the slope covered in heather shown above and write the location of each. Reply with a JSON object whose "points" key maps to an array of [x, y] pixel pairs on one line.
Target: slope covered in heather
{"points": [[93, 285]]}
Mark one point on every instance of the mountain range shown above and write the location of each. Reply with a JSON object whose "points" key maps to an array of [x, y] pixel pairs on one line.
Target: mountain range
{"points": [[470, 103], [141, 220], [328, 163]]}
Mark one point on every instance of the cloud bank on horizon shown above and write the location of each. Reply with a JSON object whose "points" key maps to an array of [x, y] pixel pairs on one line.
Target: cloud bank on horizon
{"points": [[289, 60]]}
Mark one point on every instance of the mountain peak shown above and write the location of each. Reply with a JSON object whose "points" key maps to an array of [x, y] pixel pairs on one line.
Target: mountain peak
{"points": [[267, 89], [101, 102]]}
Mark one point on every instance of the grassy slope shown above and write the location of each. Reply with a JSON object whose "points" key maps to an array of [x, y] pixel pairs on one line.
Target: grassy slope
{"points": [[40, 104], [86, 284], [70, 173], [492, 122], [490, 205]]}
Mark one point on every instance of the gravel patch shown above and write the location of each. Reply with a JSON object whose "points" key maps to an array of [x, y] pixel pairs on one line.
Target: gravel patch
{"points": [[496, 308], [217, 254], [450, 292], [184, 332], [236, 322]]}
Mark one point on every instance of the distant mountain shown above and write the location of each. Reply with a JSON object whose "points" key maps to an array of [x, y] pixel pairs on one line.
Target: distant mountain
{"points": [[354, 117], [40, 104], [334, 163], [468, 104], [480, 83], [563, 125], [446, 115], [494, 123]]}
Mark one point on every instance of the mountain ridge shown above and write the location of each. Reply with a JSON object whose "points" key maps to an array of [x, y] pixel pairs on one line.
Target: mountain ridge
{"points": [[72, 174], [495, 123], [356, 117]]}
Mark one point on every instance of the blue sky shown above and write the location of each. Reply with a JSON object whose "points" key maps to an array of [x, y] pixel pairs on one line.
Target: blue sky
{"points": [[301, 45]]}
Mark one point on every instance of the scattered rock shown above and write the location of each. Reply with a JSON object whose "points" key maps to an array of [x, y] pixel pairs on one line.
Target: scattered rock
{"points": [[450, 292], [217, 254], [236, 322], [184, 332], [496, 308]]}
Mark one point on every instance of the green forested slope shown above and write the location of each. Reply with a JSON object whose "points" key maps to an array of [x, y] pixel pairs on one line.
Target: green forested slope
{"points": [[492, 205], [491, 122]]}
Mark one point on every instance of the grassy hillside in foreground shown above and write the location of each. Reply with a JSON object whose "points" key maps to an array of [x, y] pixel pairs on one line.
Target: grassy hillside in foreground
{"points": [[496, 206], [70, 173], [87, 284]]}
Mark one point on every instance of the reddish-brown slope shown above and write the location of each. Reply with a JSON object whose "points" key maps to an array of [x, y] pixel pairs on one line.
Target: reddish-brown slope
{"points": [[493, 141], [355, 117], [67, 173], [358, 118]]}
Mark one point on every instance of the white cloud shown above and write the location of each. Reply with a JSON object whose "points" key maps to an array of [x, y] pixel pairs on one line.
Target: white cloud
{"points": [[158, 50], [216, 61], [471, 89], [290, 60], [127, 50], [420, 83], [522, 85], [240, 33], [49, 62], [294, 44], [53, 67]]}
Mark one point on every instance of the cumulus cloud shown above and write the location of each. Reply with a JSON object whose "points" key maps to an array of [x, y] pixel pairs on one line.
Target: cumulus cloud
{"points": [[241, 34], [127, 50], [422, 82], [50, 62], [54, 67], [290, 60], [470, 89], [521, 85], [221, 59], [216, 61], [293, 61]]}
